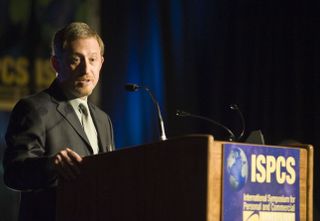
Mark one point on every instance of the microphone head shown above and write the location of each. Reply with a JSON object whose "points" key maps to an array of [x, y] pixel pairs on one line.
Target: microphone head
{"points": [[181, 113], [132, 87], [234, 107]]}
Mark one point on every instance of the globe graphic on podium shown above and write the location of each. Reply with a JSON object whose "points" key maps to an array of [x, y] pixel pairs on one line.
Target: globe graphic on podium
{"points": [[237, 168]]}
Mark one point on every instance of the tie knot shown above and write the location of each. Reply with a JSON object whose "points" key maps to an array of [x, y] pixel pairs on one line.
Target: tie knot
{"points": [[83, 109]]}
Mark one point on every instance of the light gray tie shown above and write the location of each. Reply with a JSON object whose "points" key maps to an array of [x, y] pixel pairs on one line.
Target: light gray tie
{"points": [[89, 128]]}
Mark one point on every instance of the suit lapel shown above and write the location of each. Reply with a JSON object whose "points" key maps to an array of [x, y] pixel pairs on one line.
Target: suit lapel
{"points": [[66, 110], [68, 113]]}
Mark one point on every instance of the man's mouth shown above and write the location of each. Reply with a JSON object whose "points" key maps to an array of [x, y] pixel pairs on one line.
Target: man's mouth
{"points": [[83, 81]]}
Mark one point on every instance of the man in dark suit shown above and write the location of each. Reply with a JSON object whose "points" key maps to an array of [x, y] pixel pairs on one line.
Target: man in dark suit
{"points": [[48, 133]]}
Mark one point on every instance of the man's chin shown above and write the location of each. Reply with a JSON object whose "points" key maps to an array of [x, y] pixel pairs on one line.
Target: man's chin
{"points": [[82, 93]]}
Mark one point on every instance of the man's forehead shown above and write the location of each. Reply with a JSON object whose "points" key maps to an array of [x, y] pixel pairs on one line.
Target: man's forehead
{"points": [[89, 45]]}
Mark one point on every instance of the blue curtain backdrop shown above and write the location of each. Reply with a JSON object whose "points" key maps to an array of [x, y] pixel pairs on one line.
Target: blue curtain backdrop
{"points": [[202, 56], [135, 56]]}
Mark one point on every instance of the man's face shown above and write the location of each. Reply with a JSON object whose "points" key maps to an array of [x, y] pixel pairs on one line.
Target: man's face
{"points": [[79, 68]]}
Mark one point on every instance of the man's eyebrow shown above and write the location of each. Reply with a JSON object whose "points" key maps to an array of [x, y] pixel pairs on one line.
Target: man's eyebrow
{"points": [[94, 53]]}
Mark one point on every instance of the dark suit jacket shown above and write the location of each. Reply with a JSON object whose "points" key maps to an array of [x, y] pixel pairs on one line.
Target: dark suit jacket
{"points": [[39, 127]]}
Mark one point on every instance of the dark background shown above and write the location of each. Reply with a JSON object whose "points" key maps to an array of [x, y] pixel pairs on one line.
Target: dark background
{"points": [[201, 56], [262, 55]]}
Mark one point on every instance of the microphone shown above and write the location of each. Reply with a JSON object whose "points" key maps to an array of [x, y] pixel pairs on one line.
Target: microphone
{"points": [[135, 87], [181, 113], [243, 123], [132, 87]]}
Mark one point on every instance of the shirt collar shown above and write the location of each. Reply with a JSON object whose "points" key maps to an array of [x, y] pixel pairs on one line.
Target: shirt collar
{"points": [[75, 102]]}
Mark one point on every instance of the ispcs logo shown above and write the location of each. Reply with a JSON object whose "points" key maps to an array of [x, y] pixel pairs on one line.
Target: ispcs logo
{"points": [[263, 169]]}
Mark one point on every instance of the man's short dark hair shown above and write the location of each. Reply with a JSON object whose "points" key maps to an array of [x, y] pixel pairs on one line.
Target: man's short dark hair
{"points": [[71, 32]]}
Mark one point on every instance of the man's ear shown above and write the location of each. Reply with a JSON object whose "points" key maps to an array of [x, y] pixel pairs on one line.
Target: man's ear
{"points": [[55, 62]]}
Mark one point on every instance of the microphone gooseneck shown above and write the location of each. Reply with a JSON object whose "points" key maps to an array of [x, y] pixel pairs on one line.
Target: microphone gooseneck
{"points": [[243, 123], [135, 87], [181, 113]]}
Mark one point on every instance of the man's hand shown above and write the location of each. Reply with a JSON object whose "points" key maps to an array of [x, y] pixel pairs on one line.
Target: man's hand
{"points": [[66, 163]]}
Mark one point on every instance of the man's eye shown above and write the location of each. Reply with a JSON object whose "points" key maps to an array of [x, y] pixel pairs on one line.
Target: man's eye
{"points": [[75, 60], [92, 59]]}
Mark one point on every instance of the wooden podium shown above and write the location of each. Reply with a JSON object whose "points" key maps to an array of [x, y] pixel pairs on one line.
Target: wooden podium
{"points": [[177, 179]]}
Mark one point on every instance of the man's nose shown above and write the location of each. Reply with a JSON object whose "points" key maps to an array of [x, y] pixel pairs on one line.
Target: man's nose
{"points": [[84, 66]]}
